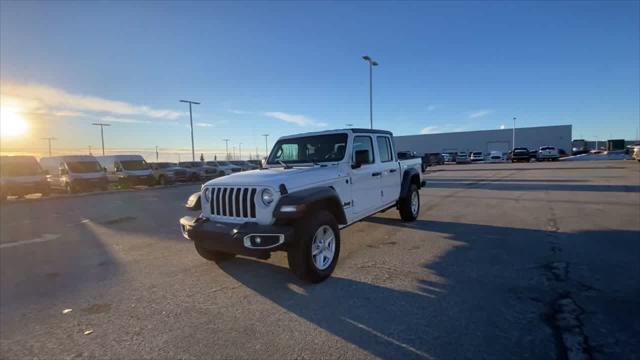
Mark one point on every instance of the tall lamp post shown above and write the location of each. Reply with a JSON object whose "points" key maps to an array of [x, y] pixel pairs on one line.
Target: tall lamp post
{"points": [[49, 139], [193, 151], [102, 125], [226, 141], [513, 135], [266, 147], [372, 63]]}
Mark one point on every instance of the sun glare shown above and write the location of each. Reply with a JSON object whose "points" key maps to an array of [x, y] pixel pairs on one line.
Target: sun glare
{"points": [[12, 123]]}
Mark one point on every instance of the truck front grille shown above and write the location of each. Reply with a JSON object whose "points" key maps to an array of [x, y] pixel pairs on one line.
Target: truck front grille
{"points": [[233, 202]]}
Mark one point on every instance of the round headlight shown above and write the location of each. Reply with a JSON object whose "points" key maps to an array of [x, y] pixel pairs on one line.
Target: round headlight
{"points": [[267, 197], [207, 194]]}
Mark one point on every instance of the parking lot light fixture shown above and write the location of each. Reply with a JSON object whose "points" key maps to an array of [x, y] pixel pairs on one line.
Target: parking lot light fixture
{"points": [[372, 63], [193, 150], [102, 125], [513, 135], [49, 139], [266, 147]]}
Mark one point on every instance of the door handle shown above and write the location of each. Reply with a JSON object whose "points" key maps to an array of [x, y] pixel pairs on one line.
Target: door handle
{"points": [[376, 174], [393, 170]]}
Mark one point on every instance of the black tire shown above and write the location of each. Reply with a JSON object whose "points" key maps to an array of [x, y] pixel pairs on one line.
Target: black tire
{"points": [[213, 255], [299, 254], [69, 188], [407, 213]]}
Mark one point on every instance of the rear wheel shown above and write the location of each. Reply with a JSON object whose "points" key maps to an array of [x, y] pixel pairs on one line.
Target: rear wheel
{"points": [[410, 205], [69, 188], [315, 254], [213, 255]]}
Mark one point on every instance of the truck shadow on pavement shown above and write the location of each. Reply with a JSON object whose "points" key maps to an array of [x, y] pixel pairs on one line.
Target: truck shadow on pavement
{"points": [[491, 302], [514, 186]]}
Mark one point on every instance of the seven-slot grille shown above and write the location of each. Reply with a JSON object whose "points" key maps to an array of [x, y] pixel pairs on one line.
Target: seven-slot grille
{"points": [[235, 202]]}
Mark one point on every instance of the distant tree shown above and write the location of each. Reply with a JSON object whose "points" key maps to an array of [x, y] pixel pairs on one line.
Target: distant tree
{"points": [[202, 157]]}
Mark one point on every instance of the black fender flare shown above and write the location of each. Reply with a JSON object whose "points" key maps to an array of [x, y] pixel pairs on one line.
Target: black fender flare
{"points": [[308, 200], [409, 177]]}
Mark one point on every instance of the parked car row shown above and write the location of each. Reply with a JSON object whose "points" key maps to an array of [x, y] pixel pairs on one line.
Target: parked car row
{"points": [[24, 175]]}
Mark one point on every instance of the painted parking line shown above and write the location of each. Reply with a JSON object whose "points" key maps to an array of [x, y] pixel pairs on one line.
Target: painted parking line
{"points": [[43, 238]]}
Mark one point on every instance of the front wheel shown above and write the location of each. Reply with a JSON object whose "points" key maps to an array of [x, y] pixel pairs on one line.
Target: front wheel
{"points": [[410, 205], [213, 255], [315, 254]]}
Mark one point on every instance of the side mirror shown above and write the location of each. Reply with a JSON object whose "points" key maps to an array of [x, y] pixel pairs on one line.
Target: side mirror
{"points": [[104, 169], [362, 157], [193, 203], [64, 171]]}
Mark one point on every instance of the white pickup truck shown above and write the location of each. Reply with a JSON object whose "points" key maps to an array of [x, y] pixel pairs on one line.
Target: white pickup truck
{"points": [[313, 185]]}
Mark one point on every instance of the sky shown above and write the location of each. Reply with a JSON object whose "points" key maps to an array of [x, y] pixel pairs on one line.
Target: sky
{"points": [[289, 67]]}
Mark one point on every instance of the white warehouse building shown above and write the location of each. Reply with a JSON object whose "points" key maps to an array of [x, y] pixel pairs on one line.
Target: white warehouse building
{"points": [[487, 140]]}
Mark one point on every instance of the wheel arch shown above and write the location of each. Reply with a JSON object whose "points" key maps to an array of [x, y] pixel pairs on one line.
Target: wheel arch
{"points": [[309, 200], [409, 177]]}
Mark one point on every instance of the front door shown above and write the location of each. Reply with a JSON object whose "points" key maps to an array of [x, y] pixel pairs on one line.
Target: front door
{"points": [[365, 180]]}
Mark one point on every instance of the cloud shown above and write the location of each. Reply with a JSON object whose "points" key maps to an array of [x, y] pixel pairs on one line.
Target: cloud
{"points": [[47, 100], [123, 120], [479, 113], [429, 130], [299, 120], [210, 123], [502, 127], [442, 129], [239, 112]]}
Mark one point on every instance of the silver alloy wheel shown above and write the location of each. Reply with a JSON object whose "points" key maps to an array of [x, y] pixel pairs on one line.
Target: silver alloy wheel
{"points": [[415, 203], [323, 247]]}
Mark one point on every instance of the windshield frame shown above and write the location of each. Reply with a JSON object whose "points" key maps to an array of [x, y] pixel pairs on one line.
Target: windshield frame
{"points": [[142, 161], [341, 137]]}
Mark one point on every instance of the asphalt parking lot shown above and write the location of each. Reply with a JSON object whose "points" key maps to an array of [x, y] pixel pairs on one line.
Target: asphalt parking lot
{"points": [[532, 260]]}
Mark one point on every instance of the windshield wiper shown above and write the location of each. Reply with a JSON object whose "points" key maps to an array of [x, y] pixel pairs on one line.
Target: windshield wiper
{"points": [[285, 165]]}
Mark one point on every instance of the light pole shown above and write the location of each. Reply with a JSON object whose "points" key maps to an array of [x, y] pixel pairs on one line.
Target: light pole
{"points": [[266, 147], [49, 139], [513, 136], [90, 150], [226, 141], [372, 63], [193, 151], [101, 133], [156, 152]]}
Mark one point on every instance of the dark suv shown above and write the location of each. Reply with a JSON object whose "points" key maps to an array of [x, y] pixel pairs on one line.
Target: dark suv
{"points": [[520, 154]]}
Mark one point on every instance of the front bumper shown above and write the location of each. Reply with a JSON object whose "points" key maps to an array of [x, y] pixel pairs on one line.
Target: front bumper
{"points": [[237, 238]]}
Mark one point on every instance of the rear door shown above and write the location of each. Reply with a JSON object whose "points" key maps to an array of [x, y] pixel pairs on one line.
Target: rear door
{"points": [[365, 180], [390, 177]]}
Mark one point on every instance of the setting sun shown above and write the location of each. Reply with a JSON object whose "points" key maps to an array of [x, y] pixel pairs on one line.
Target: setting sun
{"points": [[12, 123]]}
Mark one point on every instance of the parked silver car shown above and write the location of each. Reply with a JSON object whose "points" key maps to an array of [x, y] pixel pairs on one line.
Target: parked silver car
{"points": [[167, 172]]}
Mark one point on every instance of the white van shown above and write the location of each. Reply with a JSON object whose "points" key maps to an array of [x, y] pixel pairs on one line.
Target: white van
{"points": [[21, 175], [75, 173], [127, 170]]}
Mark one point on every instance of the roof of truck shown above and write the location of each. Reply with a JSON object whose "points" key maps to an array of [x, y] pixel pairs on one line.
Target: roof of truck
{"points": [[336, 131]]}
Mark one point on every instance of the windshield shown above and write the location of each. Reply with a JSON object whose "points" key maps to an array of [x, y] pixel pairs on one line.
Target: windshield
{"points": [[309, 149], [19, 167], [547, 148], [133, 165], [80, 167]]}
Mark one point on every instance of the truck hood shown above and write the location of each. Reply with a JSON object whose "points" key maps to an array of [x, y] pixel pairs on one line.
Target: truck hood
{"points": [[293, 179]]}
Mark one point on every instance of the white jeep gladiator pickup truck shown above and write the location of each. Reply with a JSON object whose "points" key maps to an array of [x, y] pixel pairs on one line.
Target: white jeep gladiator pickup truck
{"points": [[313, 185]]}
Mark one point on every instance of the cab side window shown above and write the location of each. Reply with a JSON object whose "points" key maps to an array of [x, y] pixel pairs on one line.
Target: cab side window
{"points": [[363, 143], [384, 148]]}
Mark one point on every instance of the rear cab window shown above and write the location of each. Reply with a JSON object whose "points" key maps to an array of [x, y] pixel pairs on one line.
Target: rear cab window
{"points": [[384, 148]]}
